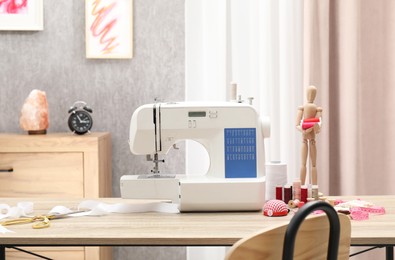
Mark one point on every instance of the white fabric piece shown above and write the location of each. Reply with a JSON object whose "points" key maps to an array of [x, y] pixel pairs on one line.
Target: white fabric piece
{"points": [[4, 230], [21, 209], [59, 210], [98, 208], [4, 209]]}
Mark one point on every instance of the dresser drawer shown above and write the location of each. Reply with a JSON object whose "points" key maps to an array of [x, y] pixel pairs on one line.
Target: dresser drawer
{"points": [[57, 165], [53, 174]]}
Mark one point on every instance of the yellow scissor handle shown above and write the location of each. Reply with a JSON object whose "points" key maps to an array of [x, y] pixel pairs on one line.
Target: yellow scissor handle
{"points": [[43, 221]]}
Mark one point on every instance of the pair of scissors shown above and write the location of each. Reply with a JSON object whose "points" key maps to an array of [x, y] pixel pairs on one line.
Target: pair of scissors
{"points": [[42, 220]]}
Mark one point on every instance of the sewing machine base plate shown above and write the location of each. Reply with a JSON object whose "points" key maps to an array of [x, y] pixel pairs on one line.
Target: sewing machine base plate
{"points": [[198, 193]]}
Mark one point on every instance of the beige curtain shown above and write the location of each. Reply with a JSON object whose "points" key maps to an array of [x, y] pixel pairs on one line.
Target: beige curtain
{"points": [[349, 53], [350, 56]]}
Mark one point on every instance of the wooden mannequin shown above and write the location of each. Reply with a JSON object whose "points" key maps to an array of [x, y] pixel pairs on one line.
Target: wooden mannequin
{"points": [[308, 121]]}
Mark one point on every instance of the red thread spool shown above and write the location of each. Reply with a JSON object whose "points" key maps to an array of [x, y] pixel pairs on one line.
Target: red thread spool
{"points": [[313, 119], [303, 193], [279, 193], [287, 193]]}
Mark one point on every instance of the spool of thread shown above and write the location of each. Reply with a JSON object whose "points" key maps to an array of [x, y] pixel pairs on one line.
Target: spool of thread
{"points": [[276, 175], [301, 204], [287, 193], [297, 190], [279, 192], [314, 192], [322, 198], [309, 123], [293, 203], [309, 191], [303, 193], [233, 91]]}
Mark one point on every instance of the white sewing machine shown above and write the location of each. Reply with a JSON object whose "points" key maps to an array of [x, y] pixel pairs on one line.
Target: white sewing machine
{"points": [[232, 133]]}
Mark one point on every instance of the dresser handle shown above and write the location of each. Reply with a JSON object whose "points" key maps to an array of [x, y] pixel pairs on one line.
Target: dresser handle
{"points": [[7, 170]]}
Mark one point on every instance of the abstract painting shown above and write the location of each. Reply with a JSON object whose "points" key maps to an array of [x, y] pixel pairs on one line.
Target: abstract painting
{"points": [[109, 29], [21, 15]]}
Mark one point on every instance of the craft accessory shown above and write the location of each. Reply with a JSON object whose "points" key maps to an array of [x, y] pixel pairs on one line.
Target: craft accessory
{"points": [[314, 192], [357, 214], [276, 175], [358, 209], [297, 189], [309, 191], [323, 198], [233, 91], [303, 193], [309, 122], [287, 193], [374, 210], [362, 213], [279, 193], [314, 119], [275, 208], [293, 203], [43, 221]]}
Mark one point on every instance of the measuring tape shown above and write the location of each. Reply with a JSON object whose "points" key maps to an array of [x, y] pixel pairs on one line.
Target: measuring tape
{"points": [[362, 213]]}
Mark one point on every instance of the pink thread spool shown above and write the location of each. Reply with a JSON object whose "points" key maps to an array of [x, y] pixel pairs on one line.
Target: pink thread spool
{"points": [[297, 190]]}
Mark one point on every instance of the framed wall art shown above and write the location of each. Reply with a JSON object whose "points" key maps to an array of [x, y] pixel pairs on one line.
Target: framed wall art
{"points": [[109, 29], [21, 15]]}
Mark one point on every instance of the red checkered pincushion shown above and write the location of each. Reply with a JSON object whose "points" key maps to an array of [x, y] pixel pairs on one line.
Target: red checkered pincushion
{"points": [[275, 208]]}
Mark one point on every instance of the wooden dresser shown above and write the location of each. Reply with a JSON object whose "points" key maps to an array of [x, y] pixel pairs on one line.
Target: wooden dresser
{"points": [[56, 165]]}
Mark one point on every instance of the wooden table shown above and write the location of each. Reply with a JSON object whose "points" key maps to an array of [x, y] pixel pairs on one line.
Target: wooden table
{"points": [[185, 229]]}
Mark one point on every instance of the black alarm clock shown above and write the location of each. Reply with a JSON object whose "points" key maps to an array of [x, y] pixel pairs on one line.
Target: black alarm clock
{"points": [[80, 120]]}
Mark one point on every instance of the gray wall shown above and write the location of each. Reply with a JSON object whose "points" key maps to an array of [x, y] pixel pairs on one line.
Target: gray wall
{"points": [[54, 61]]}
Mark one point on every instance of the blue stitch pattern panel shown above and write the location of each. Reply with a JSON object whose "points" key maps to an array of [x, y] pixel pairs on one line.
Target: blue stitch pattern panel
{"points": [[240, 152]]}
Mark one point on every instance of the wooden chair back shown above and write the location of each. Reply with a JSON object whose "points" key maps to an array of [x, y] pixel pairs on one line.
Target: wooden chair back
{"points": [[311, 241]]}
